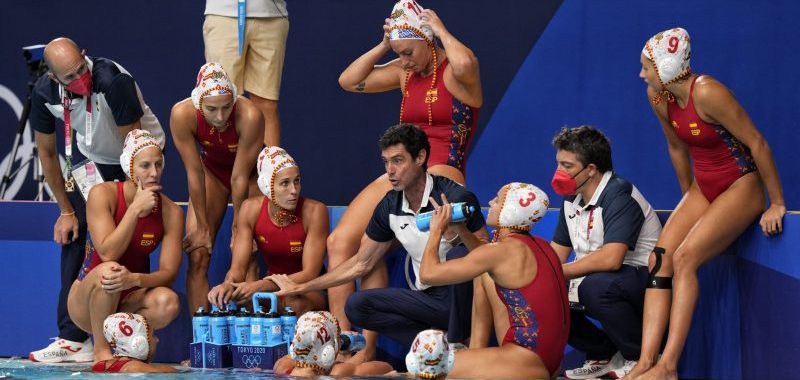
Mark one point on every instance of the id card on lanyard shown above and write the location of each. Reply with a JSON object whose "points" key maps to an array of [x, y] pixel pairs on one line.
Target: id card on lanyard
{"points": [[67, 103]]}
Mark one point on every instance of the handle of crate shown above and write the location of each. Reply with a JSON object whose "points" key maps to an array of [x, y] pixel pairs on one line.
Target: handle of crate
{"points": [[273, 305]]}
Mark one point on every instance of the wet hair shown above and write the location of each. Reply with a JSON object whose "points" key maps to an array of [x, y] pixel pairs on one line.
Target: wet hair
{"points": [[588, 143], [412, 138]]}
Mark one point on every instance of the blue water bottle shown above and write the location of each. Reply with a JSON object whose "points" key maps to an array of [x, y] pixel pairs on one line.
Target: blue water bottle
{"points": [[272, 329], [231, 322], [461, 211], [288, 322], [256, 328], [242, 327], [200, 326], [352, 341], [218, 323]]}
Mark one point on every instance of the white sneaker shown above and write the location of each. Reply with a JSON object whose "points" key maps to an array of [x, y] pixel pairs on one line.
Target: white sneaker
{"points": [[595, 368], [63, 350], [622, 371]]}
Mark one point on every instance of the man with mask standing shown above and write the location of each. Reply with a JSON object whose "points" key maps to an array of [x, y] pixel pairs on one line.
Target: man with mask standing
{"points": [[612, 229], [100, 101]]}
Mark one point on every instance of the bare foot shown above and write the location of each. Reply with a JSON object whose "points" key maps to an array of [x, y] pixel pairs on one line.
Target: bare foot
{"points": [[186, 363], [659, 372], [637, 371]]}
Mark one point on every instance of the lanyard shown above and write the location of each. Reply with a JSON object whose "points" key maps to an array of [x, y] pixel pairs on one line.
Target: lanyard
{"points": [[242, 18], [67, 102]]}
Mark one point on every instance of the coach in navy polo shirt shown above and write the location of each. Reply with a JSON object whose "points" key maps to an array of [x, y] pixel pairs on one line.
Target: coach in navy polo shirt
{"points": [[395, 312], [612, 230], [102, 104]]}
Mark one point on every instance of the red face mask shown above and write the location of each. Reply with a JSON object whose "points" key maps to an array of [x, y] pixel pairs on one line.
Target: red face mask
{"points": [[565, 184], [82, 85]]}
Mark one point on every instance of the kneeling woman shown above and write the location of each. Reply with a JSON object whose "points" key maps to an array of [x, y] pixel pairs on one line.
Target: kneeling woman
{"points": [[290, 232], [127, 221], [528, 280], [132, 344]]}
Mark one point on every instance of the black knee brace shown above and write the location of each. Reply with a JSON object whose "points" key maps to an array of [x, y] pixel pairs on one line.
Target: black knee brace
{"points": [[656, 282]]}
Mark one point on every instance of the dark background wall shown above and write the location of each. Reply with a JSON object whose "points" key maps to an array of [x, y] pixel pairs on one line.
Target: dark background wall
{"points": [[544, 65], [331, 133], [584, 70]]}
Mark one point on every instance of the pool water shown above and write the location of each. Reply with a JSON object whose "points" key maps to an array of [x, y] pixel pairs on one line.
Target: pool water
{"points": [[24, 369], [16, 368]]}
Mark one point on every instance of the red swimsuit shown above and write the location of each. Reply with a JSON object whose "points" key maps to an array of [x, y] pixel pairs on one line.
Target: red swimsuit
{"points": [[146, 237], [116, 366], [454, 122], [719, 159], [538, 313], [218, 148], [282, 248]]}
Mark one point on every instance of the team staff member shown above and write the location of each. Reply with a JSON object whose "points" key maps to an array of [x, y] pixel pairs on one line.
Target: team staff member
{"points": [[100, 102], [401, 313]]}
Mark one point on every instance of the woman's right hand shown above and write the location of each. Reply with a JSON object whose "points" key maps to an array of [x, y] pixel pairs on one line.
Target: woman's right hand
{"points": [[197, 237], [145, 199], [221, 294], [117, 279], [772, 220], [65, 224]]}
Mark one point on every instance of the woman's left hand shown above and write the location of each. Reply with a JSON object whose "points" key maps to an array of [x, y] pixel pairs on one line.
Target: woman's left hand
{"points": [[117, 279], [430, 19], [772, 220]]}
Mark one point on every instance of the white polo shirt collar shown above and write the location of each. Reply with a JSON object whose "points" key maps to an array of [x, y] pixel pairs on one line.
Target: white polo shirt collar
{"points": [[596, 196], [425, 195]]}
